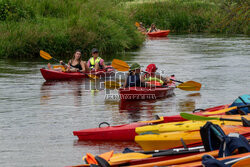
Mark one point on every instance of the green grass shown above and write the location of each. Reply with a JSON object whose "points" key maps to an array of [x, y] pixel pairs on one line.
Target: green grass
{"points": [[61, 27]]}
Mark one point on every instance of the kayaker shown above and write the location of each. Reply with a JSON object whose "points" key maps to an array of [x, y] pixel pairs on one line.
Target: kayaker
{"points": [[75, 64], [96, 62], [152, 76], [141, 28], [153, 28], [134, 77]]}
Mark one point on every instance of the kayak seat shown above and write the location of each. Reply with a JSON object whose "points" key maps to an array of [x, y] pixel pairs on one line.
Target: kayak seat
{"points": [[198, 109]]}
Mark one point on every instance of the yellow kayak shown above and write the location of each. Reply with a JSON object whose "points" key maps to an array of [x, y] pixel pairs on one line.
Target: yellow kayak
{"points": [[173, 139], [187, 125]]}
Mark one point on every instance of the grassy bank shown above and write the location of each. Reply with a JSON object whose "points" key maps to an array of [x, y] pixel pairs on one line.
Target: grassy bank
{"points": [[216, 16], [63, 26]]}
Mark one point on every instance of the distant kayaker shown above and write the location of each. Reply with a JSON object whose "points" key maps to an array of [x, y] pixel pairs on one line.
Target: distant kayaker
{"points": [[75, 64], [134, 77], [152, 76], [153, 28], [96, 62], [142, 28]]}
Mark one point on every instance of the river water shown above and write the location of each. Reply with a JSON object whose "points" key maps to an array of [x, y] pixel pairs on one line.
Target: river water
{"points": [[37, 117]]}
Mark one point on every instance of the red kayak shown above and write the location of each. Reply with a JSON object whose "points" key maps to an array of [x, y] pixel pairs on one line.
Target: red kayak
{"points": [[49, 75], [127, 132], [162, 33], [143, 93]]}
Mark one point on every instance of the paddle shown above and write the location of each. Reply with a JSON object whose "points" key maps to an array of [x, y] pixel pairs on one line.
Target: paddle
{"points": [[243, 161], [131, 156], [120, 65], [201, 118], [47, 56], [225, 110], [112, 85]]}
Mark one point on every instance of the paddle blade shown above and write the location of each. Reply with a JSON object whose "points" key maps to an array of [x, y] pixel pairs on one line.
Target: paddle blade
{"points": [[190, 86], [128, 157], [197, 117], [219, 111], [107, 155], [92, 76], [120, 65], [112, 85], [45, 55], [137, 24]]}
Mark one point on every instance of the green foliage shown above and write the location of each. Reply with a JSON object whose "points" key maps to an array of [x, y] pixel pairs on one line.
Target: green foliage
{"points": [[63, 26], [15, 10]]}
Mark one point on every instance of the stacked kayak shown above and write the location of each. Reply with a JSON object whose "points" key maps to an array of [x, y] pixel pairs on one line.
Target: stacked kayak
{"points": [[50, 75], [173, 139], [188, 125], [126, 132], [162, 33]]}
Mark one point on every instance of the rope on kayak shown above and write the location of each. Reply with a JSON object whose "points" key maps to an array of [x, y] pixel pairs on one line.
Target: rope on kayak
{"points": [[102, 123]]}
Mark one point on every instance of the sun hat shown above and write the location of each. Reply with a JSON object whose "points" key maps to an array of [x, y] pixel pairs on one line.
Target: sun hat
{"points": [[135, 66]]}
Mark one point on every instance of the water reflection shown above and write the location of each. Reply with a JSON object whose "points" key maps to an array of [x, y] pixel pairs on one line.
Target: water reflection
{"points": [[97, 147], [53, 89], [188, 104]]}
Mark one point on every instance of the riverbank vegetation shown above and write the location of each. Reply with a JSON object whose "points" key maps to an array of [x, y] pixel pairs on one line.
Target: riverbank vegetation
{"points": [[27, 26], [214, 16]]}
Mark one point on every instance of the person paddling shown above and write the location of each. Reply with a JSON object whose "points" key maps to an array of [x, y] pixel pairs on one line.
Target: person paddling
{"points": [[152, 76], [75, 64], [134, 77], [96, 62], [153, 28], [141, 28]]}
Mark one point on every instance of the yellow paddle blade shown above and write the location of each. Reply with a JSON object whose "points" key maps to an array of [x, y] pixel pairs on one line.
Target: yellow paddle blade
{"points": [[59, 67], [190, 86], [128, 156], [45, 55], [112, 85], [120, 65], [137, 24], [92, 76], [220, 111]]}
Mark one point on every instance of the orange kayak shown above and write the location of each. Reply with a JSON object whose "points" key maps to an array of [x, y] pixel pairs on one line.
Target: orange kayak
{"points": [[199, 163]]}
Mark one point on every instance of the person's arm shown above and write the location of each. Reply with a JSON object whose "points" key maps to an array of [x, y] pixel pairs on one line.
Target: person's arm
{"points": [[83, 66], [103, 64], [125, 82]]}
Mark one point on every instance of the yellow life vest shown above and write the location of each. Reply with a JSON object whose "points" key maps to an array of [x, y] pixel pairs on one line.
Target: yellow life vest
{"points": [[154, 79], [94, 61]]}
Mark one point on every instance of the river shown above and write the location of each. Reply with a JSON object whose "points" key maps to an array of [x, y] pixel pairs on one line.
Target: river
{"points": [[37, 117]]}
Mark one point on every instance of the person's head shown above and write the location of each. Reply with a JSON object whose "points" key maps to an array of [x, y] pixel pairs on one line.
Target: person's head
{"points": [[95, 52], [135, 67], [152, 25], [151, 68], [77, 55]]}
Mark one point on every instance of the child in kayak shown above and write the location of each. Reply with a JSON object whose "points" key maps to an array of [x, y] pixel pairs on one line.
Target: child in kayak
{"points": [[153, 28], [134, 77], [96, 62], [151, 76], [75, 64]]}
